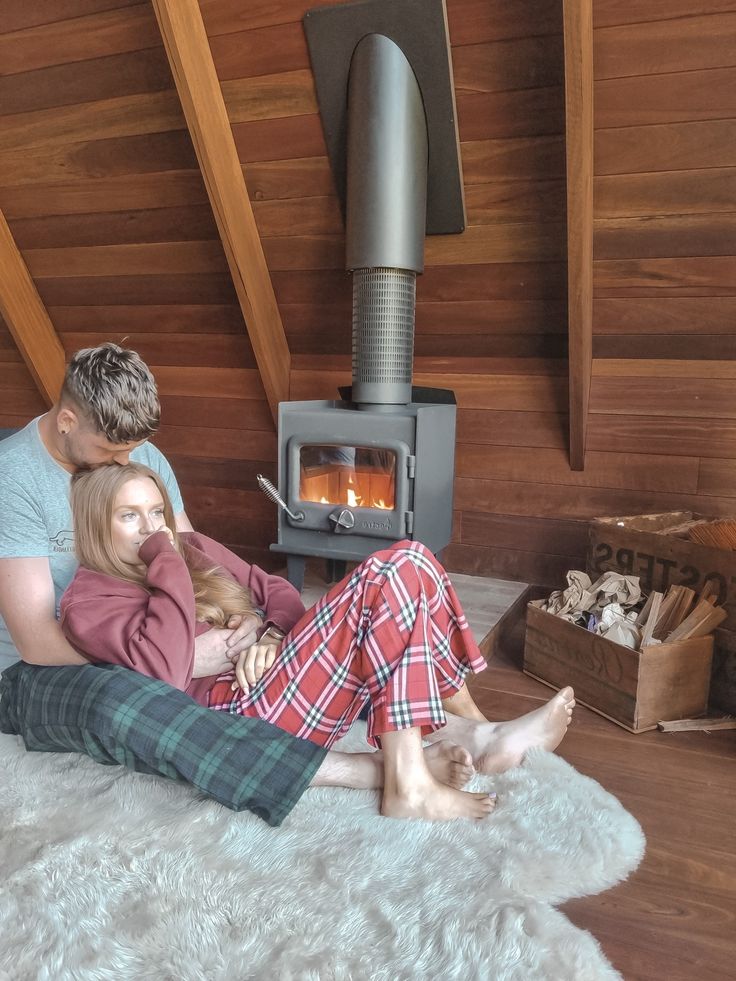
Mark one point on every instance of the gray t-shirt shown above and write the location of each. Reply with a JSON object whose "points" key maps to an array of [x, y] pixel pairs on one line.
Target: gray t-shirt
{"points": [[35, 516]]}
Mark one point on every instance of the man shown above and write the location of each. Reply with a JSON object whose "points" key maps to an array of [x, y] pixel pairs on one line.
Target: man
{"points": [[107, 410]]}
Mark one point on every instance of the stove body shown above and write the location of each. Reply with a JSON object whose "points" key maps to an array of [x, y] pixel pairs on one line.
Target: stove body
{"points": [[357, 479]]}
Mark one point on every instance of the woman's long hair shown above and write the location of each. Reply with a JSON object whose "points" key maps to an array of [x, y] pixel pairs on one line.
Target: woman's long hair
{"points": [[217, 597]]}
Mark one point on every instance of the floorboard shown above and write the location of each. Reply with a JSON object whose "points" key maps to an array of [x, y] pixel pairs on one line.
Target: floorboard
{"points": [[675, 917]]}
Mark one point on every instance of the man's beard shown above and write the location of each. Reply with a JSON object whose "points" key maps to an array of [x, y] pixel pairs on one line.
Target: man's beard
{"points": [[74, 457]]}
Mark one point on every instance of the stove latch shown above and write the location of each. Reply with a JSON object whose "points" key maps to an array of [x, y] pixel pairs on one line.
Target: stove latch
{"points": [[342, 520]]}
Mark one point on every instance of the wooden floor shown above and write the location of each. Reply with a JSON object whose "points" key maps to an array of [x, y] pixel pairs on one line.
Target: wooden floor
{"points": [[675, 918]]}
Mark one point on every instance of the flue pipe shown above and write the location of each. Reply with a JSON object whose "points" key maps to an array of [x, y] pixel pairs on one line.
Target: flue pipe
{"points": [[385, 217]]}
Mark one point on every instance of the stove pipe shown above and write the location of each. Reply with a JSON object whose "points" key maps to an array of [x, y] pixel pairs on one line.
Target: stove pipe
{"points": [[386, 217]]}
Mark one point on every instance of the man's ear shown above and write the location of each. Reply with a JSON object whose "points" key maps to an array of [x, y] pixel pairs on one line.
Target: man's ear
{"points": [[66, 420]]}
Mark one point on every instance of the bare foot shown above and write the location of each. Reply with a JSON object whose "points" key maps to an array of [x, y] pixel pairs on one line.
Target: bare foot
{"points": [[503, 745], [449, 763], [499, 746], [433, 801]]}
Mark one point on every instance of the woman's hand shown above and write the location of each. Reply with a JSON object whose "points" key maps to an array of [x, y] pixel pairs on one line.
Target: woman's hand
{"points": [[167, 531], [253, 663]]}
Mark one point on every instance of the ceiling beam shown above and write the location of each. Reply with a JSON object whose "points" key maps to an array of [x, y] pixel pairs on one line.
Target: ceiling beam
{"points": [[188, 51], [27, 319], [578, 33]]}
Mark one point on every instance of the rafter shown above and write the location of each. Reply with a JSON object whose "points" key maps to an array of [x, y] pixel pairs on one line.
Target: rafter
{"points": [[27, 320], [578, 31], [188, 51]]}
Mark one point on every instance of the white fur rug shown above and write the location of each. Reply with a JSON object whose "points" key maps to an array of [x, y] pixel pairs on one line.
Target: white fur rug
{"points": [[108, 875]]}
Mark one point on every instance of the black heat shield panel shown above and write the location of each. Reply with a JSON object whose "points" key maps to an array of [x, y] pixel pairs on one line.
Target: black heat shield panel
{"points": [[419, 394], [419, 28]]}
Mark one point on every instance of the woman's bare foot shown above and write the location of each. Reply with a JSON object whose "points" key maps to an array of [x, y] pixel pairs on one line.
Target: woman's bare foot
{"points": [[410, 790], [461, 703], [433, 801], [503, 745], [449, 763]]}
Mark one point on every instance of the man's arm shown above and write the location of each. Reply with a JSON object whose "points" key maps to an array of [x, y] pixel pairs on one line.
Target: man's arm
{"points": [[182, 522], [28, 606]]}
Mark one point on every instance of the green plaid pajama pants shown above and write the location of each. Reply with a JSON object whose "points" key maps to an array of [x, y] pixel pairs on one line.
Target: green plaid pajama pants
{"points": [[117, 716]]}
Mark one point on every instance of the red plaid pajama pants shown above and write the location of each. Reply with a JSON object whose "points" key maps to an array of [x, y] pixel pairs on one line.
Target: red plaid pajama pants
{"points": [[392, 634]]}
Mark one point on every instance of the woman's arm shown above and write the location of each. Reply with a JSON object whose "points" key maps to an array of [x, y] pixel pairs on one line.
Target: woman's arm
{"points": [[120, 623], [275, 596]]}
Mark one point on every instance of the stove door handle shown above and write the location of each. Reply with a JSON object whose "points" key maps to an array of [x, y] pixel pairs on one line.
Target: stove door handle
{"points": [[342, 519], [273, 495]]}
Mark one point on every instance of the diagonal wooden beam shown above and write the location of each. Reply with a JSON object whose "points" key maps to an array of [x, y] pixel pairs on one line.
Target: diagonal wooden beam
{"points": [[188, 51], [578, 32], [27, 319]]}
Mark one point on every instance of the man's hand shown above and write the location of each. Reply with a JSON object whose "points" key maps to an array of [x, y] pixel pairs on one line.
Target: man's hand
{"points": [[211, 653], [244, 631], [253, 663], [216, 650]]}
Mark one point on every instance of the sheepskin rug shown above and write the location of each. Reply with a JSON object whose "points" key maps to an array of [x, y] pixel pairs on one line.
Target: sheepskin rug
{"points": [[107, 874]]}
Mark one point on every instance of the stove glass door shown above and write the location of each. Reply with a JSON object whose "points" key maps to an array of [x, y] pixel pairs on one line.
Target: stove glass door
{"points": [[356, 476]]}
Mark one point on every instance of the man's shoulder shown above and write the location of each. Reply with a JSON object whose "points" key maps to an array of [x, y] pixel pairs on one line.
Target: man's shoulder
{"points": [[18, 444], [21, 464], [150, 455]]}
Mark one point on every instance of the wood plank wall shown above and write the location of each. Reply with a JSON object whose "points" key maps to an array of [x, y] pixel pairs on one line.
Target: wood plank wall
{"points": [[101, 189], [99, 184]]}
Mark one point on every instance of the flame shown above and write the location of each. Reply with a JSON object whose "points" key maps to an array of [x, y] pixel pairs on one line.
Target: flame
{"points": [[352, 498]]}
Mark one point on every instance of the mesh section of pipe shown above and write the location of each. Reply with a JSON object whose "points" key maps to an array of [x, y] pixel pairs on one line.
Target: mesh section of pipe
{"points": [[383, 326]]}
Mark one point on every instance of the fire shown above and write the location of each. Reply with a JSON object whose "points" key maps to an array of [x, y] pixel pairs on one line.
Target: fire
{"points": [[363, 488]]}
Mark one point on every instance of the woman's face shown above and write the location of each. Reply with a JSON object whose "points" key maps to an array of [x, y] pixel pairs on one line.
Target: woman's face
{"points": [[138, 511]]}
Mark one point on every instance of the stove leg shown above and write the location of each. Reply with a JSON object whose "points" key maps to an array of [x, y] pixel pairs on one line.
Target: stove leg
{"points": [[336, 569], [295, 566]]}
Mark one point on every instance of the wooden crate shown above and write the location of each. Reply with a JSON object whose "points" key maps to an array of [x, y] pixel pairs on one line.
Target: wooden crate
{"points": [[639, 545], [636, 690]]}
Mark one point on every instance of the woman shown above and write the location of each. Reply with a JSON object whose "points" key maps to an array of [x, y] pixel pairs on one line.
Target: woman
{"points": [[392, 635]]}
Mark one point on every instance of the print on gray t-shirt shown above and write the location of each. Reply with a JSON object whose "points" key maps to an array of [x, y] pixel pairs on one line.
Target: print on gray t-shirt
{"points": [[35, 517]]}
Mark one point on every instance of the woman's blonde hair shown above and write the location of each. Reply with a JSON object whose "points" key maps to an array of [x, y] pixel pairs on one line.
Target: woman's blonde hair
{"points": [[217, 597]]}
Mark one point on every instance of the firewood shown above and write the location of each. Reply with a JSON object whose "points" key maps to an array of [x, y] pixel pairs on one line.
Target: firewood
{"points": [[651, 623], [684, 528], [675, 607], [691, 725], [642, 618], [717, 534], [708, 591], [702, 621]]}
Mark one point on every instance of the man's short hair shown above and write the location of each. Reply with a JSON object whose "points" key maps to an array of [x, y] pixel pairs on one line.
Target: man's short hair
{"points": [[115, 391]]}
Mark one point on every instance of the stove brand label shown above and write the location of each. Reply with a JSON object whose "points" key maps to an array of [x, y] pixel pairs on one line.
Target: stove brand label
{"points": [[376, 525]]}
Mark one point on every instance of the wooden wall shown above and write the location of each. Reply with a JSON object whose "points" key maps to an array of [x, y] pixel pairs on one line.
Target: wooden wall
{"points": [[99, 183]]}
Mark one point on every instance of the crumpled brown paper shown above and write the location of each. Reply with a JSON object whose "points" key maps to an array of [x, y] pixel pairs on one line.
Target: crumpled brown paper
{"points": [[581, 595], [612, 587], [577, 598]]}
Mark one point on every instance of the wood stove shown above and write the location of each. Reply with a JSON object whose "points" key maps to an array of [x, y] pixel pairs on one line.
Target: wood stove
{"points": [[377, 465], [355, 478]]}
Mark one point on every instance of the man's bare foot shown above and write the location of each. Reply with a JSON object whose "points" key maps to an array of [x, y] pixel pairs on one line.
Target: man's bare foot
{"points": [[433, 801], [449, 763], [503, 745]]}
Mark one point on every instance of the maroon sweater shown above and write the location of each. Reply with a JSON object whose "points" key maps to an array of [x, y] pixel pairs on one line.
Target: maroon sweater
{"points": [[153, 630]]}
